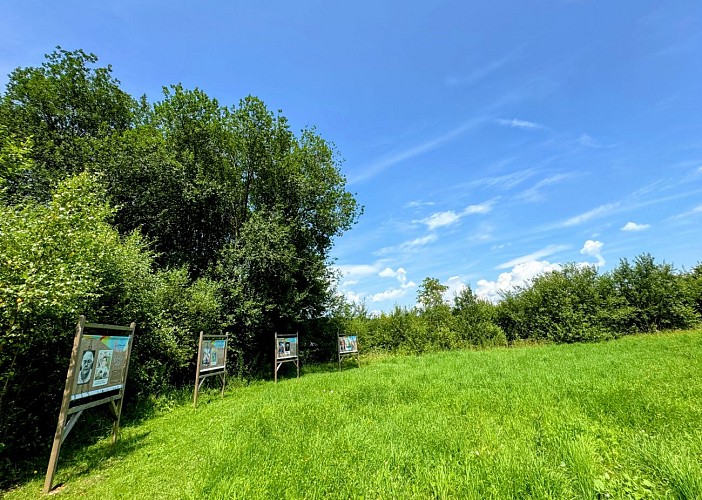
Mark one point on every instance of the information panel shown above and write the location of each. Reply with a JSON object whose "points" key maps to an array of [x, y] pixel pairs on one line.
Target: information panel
{"points": [[101, 365], [286, 350], [211, 360], [348, 346], [97, 375], [287, 347]]}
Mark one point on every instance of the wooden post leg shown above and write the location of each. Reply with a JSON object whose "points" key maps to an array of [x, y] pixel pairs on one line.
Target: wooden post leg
{"points": [[197, 369], [55, 449], [115, 425]]}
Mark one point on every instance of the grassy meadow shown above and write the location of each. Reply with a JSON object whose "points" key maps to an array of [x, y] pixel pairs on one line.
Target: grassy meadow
{"points": [[619, 419]]}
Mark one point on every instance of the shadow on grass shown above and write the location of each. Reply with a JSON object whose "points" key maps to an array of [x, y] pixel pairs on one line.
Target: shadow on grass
{"points": [[78, 462]]}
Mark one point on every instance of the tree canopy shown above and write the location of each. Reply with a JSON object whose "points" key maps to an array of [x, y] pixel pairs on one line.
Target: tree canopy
{"points": [[182, 214]]}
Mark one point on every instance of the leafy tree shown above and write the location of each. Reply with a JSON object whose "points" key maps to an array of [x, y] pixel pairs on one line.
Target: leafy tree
{"points": [[65, 107], [654, 294], [475, 320]]}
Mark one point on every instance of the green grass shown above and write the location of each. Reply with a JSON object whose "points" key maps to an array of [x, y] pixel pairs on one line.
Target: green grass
{"points": [[620, 419]]}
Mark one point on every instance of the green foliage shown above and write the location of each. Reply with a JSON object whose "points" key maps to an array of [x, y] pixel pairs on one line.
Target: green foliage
{"points": [[475, 321], [654, 294], [65, 106], [568, 305], [56, 261]]}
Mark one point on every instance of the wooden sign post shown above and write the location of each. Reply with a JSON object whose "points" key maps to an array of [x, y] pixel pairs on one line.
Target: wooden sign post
{"points": [[97, 374], [285, 351], [211, 361]]}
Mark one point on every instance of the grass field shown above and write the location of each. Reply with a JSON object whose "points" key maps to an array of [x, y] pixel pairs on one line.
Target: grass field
{"points": [[620, 419]]}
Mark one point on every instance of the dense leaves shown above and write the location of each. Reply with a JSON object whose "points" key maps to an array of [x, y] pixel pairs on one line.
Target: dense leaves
{"points": [[182, 215]]}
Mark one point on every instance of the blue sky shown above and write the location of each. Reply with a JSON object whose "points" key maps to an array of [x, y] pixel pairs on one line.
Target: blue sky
{"points": [[488, 141]]}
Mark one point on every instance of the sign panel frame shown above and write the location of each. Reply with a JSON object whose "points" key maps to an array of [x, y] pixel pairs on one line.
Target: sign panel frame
{"points": [[211, 349], [89, 385], [347, 346], [286, 351]]}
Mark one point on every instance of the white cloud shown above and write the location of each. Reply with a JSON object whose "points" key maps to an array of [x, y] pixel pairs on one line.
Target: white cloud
{"points": [[633, 226], [418, 242], [441, 219], [544, 252], [349, 283], [400, 274], [481, 208], [591, 214], [394, 293], [415, 204], [524, 271], [455, 286], [409, 246], [357, 270], [524, 124], [594, 249], [353, 297], [520, 274]]}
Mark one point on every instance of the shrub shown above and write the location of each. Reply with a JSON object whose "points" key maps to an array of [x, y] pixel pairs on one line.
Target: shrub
{"points": [[654, 295]]}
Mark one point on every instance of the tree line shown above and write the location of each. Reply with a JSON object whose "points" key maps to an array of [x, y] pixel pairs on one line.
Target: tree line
{"points": [[182, 215], [573, 304]]}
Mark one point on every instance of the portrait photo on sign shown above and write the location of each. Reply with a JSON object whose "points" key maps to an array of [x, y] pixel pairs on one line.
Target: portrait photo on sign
{"points": [[102, 371], [206, 353], [87, 360]]}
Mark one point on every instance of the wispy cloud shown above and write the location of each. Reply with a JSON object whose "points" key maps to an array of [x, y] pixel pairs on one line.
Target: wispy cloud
{"points": [[533, 193], [695, 211], [590, 214], [441, 219], [419, 204], [633, 226], [387, 162], [409, 246], [539, 254], [523, 124], [481, 72], [449, 217], [507, 181]]}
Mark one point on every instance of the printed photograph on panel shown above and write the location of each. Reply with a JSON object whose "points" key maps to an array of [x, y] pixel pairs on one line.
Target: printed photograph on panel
{"points": [[281, 348], [351, 343], [87, 360], [206, 356], [102, 372], [342, 344]]}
